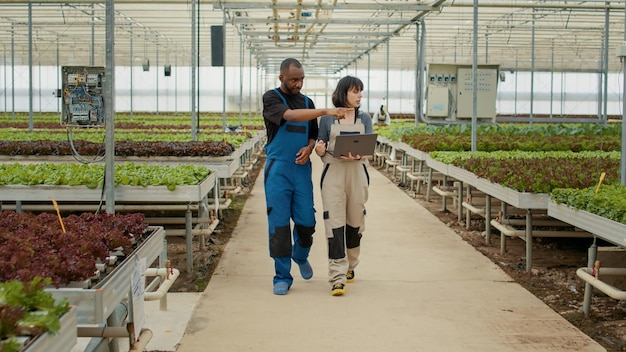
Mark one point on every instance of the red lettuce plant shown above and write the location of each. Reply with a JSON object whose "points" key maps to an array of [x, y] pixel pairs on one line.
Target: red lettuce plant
{"points": [[35, 245]]}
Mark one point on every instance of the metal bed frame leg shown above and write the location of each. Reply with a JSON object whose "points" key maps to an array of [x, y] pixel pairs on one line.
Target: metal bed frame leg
{"points": [[189, 239], [459, 205], [487, 218], [503, 236], [529, 240], [591, 259], [430, 184]]}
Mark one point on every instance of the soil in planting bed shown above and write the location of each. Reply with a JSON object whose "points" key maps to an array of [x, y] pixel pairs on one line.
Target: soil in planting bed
{"points": [[553, 278]]}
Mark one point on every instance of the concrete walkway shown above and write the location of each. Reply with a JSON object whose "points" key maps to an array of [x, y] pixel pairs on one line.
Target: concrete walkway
{"points": [[419, 287]]}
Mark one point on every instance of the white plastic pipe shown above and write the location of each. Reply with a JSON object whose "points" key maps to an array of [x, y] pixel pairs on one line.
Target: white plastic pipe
{"points": [[116, 332], [101, 331], [144, 337], [611, 291], [167, 276]]}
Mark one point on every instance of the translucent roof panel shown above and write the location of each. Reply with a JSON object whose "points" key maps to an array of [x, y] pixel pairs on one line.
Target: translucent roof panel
{"points": [[326, 35]]}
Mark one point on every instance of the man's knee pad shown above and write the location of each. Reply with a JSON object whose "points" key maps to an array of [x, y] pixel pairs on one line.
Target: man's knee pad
{"points": [[280, 242], [336, 247], [353, 237], [306, 235]]}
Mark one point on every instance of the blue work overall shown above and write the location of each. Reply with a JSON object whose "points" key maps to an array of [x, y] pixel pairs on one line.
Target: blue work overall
{"points": [[289, 196]]}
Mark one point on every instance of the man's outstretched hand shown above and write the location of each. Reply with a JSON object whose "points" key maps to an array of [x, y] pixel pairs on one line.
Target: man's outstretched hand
{"points": [[341, 113]]}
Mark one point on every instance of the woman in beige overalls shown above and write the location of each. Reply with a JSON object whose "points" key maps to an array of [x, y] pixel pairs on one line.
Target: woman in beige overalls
{"points": [[344, 185]]}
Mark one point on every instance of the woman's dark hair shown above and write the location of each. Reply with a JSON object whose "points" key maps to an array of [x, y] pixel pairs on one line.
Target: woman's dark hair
{"points": [[341, 91]]}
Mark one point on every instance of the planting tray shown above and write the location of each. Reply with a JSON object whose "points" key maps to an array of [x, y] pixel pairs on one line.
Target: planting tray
{"points": [[416, 154], [62, 341], [438, 166], [223, 167], [94, 305], [604, 228], [160, 194], [520, 200]]}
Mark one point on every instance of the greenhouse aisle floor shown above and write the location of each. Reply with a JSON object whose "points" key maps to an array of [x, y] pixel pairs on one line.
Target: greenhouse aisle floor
{"points": [[419, 287]]}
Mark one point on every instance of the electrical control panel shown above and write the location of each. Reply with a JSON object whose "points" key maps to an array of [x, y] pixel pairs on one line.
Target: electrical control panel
{"points": [[486, 88], [82, 88], [450, 91]]}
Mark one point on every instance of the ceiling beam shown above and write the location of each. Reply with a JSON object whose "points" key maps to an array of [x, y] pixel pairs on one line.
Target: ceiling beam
{"points": [[339, 21], [248, 5]]}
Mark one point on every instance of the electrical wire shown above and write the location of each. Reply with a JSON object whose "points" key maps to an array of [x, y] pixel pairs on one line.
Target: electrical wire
{"points": [[104, 179], [97, 158]]}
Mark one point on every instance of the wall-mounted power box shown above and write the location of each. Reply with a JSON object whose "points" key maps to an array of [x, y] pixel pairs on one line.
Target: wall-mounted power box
{"points": [[450, 91], [82, 88]]}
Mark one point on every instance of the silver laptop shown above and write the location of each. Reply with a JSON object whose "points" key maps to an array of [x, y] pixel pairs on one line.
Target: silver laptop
{"points": [[362, 144]]}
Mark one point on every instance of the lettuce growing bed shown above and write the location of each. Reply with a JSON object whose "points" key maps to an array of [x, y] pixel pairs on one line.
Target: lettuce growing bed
{"points": [[600, 210], [94, 305], [134, 183], [223, 166], [189, 188], [61, 341], [99, 250], [158, 194], [218, 151], [521, 200], [525, 179], [31, 319], [602, 227]]}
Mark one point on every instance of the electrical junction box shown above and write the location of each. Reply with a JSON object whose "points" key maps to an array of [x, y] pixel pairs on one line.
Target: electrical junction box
{"points": [[487, 85], [82, 88], [621, 51], [450, 91], [438, 101]]}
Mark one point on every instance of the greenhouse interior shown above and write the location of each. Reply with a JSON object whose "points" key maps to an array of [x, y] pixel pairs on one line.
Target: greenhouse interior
{"points": [[136, 149]]}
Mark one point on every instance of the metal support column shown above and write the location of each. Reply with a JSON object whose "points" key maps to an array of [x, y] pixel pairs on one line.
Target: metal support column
{"points": [[529, 239], [592, 254]]}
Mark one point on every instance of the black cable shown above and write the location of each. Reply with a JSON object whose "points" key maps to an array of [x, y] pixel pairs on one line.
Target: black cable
{"points": [[79, 158], [104, 179], [76, 154]]}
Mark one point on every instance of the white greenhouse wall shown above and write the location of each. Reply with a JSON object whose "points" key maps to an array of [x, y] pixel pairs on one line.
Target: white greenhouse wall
{"points": [[572, 93]]}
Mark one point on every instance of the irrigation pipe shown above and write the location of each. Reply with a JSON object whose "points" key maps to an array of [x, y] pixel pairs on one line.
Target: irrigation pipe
{"points": [[611, 291], [167, 277]]}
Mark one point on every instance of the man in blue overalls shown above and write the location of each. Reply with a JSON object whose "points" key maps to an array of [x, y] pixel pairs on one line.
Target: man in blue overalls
{"points": [[291, 126]]}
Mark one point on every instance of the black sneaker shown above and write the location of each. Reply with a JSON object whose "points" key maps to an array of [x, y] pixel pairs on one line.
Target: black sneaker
{"points": [[338, 289], [350, 276]]}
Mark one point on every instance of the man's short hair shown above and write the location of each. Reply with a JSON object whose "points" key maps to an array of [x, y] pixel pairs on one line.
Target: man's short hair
{"points": [[288, 63]]}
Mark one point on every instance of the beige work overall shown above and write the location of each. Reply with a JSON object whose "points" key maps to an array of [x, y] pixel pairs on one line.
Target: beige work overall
{"points": [[344, 187]]}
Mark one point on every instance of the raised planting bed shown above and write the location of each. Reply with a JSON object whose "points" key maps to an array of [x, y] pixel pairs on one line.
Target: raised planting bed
{"points": [[95, 304], [600, 210], [507, 137], [609, 230], [61, 341], [66, 250], [525, 179], [536, 172], [83, 182], [32, 320], [604, 228]]}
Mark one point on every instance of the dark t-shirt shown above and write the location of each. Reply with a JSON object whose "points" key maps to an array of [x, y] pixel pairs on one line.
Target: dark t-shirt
{"points": [[274, 108]]}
